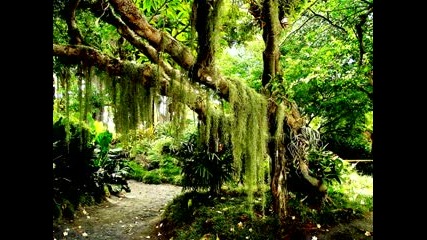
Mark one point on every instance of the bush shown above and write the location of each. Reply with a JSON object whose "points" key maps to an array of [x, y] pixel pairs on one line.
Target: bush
{"points": [[202, 169], [72, 168]]}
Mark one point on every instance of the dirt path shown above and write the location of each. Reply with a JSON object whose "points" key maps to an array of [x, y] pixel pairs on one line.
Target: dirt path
{"points": [[133, 216]]}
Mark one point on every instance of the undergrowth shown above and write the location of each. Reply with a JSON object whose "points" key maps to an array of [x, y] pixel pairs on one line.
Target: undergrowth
{"points": [[199, 215]]}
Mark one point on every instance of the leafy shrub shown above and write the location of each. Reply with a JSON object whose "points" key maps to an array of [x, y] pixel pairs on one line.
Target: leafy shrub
{"points": [[202, 169], [111, 173], [80, 176], [136, 171], [72, 168], [196, 214], [325, 165], [152, 177]]}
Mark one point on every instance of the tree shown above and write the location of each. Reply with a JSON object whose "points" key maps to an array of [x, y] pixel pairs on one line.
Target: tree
{"points": [[143, 49], [329, 66]]}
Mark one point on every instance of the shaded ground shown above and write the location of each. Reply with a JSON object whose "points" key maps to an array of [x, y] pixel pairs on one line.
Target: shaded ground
{"points": [[355, 230], [132, 216], [135, 215]]}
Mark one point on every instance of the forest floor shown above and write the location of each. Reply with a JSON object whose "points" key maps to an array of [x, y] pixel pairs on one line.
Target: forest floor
{"points": [[136, 215]]}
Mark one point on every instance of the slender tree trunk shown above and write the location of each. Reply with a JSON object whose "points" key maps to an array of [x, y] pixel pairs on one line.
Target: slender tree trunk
{"points": [[276, 144], [276, 149]]}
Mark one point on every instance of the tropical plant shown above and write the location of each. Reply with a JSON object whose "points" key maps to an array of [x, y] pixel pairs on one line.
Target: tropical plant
{"points": [[203, 169], [72, 168], [111, 173]]}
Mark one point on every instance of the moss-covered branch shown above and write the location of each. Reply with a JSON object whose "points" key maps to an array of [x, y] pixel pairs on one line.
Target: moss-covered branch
{"points": [[133, 18], [148, 74]]}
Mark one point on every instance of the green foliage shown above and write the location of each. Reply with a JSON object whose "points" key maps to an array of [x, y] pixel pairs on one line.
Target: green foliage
{"points": [[72, 169], [152, 177], [103, 140], [203, 169], [325, 165], [326, 75], [136, 171], [355, 192], [346, 200], [238, 24], [171, 16], [151, 150], [80, 175], [224, 217], [191, 215], [112, 173], [243, 61]]}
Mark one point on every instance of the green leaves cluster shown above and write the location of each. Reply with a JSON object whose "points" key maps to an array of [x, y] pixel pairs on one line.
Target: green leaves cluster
{"points": [[328, 72], [203, 169], [325, 165]]}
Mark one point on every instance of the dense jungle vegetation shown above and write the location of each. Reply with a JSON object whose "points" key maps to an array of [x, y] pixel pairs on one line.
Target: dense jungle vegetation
{"points": [[252, 106]]}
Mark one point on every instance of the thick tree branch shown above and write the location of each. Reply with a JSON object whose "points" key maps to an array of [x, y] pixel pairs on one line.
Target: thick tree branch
{"points": [[116, 67], [312, 180], [134, 27], [70, 17], [160, 40]]}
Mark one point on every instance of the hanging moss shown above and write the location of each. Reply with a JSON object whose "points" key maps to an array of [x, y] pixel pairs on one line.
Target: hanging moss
{"points": [[88, 92], [65, 79], [245, 121], [132, 101], [176, 104]]}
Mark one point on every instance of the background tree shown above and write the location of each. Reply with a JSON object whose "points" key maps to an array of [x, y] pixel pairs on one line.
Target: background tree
{"points": [[328, 66]]}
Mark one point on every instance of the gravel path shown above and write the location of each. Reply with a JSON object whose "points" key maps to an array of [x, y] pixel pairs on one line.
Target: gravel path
{"points": [[133, 216]]}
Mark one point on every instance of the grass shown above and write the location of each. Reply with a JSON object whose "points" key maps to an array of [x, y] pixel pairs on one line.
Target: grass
{"points": [[196, 215]]}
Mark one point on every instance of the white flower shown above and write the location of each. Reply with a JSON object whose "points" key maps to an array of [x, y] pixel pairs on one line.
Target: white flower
{"points": [[318, 226], [84, 234], [314, 238], [240, 225], [65, 233]]}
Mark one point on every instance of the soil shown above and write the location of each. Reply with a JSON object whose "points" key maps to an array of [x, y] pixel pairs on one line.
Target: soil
{"points": [[137, 214]]}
